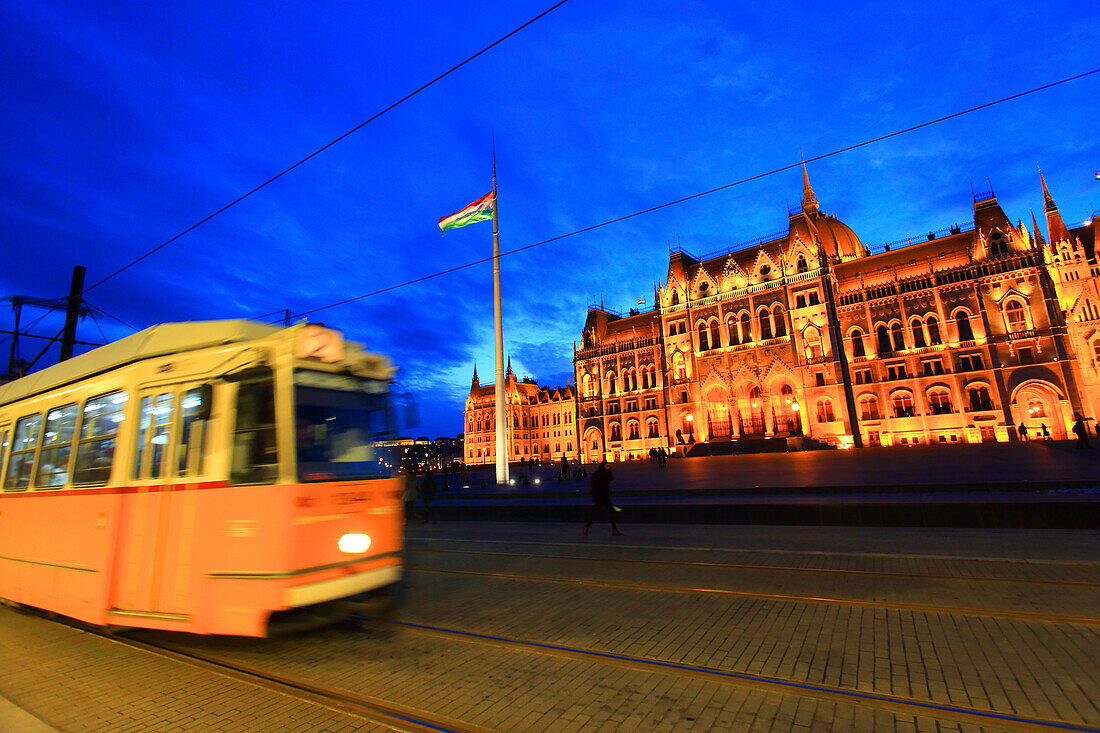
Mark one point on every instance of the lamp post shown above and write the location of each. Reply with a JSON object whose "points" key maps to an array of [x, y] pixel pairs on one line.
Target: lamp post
{"points": [[691, 427]]}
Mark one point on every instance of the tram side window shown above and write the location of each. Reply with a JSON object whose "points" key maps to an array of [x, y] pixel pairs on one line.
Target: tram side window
{"points": [[24, 441], [99, 429], [255, 459], [153, 428], [57, 447], [194, 413], [3, 446]]}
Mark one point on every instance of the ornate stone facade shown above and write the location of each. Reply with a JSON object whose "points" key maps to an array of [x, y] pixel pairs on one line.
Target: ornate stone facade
{"points": [[960, 337], [540, 421]]}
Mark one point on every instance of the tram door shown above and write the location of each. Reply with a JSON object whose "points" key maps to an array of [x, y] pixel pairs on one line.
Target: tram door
{"points": [[157, 520]]}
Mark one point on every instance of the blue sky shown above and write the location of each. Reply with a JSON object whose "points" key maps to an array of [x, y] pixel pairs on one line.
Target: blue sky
{"points": [[127, 122]]}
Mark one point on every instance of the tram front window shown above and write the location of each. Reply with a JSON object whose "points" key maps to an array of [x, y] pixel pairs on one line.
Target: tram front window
{"points": [[339, 423]]}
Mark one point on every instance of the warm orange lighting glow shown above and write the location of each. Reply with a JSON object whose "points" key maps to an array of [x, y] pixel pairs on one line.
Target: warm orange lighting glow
{"points": [[689, 418]]}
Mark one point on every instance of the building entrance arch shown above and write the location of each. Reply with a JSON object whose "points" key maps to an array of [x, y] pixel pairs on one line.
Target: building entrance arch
{"points": [[1037, 403], [593, 451], [718, 414]]}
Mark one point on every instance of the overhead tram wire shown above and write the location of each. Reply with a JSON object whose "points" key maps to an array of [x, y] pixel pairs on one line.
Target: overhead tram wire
{"points": [[318, 151], [708, 192], [113, 318]]}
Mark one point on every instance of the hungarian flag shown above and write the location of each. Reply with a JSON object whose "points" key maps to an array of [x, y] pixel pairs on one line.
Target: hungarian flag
{"points": [[480, 210]]}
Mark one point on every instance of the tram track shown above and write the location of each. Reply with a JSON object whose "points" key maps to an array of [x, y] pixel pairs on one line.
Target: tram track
{"points": [[627, 585], [892, 703], [397, 717], [757, 566]]}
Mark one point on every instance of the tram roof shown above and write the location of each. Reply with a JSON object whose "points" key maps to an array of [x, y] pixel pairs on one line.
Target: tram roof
{"points": [[165, 338]]}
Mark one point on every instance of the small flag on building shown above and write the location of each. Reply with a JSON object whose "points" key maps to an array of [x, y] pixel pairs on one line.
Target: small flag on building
{"points": [[480, 210], [641, 302]]}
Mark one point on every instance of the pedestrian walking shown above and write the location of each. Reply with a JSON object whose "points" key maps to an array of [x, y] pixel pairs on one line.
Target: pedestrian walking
{"points": [[601, 499], [410, 495], [1082, 434], [1046, 433], [1022, 432], [427, 493]]}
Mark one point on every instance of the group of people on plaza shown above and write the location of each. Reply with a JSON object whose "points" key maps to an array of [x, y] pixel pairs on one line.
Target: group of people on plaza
{"points": [[658, 456], [1079, 429]]}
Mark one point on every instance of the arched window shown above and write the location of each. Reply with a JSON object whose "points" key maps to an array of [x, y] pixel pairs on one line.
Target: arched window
{"points": [[933, 325], [1035, 408], [679, 366], [675, 297], [633, 431], [825, 410], [998, 245], [703, 341], [801, 266], [525, 417], [883, 339], [811, 337], [611, 382], [616, 431], [979, 398], [857, 343], [1015, 316], [800, 301], [780, 321], [903, 405], [515, 421], [715, 338], [645, 378], [651, 428], [682, 327], [962, 321], [765, 318], [939, 401], [672, 329], [746, 329], [918, 333], [898, 334], [587, 386], [868, 408], [734, 338]]}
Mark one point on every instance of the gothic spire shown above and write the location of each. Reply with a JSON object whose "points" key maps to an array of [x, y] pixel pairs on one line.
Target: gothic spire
{"points": [[509, 366], [475, 374], [809, 201], [1056, 228]]}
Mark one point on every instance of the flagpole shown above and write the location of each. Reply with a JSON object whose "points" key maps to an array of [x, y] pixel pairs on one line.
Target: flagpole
{"points": [[501, 439]]}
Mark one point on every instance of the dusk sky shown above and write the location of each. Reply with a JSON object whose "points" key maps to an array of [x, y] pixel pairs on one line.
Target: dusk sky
{"points": [[126, 122]]}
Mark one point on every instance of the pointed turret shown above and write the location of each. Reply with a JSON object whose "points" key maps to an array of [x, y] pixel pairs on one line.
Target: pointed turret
{"points": [[1056, 228], [809, 201], [509, 367], [1035, 227], [475, 374]]}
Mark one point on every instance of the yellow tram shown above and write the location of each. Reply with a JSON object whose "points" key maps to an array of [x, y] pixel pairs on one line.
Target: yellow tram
{"points": [[209, 477]]}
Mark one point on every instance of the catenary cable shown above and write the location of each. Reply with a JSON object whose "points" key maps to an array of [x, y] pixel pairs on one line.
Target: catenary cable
{"points": [[708, 192], [318, 151]]}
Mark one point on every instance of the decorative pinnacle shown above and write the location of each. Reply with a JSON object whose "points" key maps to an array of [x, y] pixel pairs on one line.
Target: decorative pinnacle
{"points": [[809, 201]]}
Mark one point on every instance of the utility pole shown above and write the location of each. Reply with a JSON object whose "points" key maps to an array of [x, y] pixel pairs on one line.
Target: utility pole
{"points": [[76, 293]]}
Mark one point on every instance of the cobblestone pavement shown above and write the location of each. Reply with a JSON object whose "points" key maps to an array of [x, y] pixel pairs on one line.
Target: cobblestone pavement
{"points": [[881, 645]]}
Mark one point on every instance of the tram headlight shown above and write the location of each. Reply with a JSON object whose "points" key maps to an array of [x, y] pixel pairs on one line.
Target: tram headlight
{"points": [[354, 544]]}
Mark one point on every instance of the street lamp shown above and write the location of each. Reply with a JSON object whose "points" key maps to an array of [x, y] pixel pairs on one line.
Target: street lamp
{"points": [[691, 427]]}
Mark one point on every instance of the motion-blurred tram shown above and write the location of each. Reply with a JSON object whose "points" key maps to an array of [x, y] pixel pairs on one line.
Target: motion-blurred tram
{"points": [[213, 477]]}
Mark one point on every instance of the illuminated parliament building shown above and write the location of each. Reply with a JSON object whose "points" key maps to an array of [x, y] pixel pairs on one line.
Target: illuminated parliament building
{"points": [[808, 337]]}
